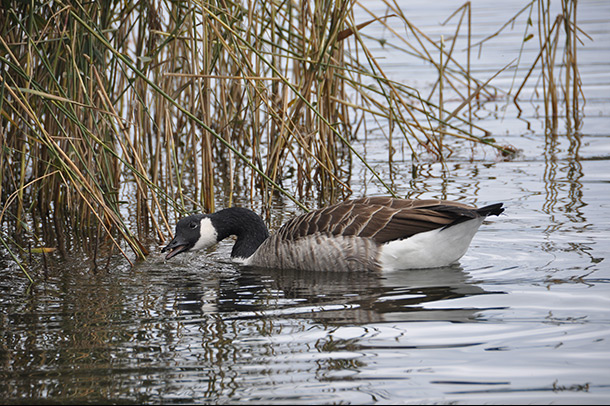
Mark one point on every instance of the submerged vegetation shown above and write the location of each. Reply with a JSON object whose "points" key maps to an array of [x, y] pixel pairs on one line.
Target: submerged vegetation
{"points": [[118, 116]]}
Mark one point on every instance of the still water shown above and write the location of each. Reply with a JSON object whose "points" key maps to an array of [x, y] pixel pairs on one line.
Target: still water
{"points": [[524, 317]]}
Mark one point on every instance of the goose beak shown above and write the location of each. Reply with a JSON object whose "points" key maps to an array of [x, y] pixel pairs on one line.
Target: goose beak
{"points": [[175, 247]]}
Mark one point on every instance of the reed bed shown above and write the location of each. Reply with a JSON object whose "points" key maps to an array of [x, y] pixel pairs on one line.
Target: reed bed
{"points": [[117, 117]]}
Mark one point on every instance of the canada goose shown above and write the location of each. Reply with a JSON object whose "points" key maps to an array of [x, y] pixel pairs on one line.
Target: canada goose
{"points": [[371, 233]]}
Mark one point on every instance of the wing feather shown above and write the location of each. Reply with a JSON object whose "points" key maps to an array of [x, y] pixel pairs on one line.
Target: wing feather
{"points": [[382, 219]]}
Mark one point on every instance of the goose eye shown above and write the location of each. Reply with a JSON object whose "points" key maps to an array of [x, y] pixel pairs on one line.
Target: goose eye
{"points": [[193, 225]]}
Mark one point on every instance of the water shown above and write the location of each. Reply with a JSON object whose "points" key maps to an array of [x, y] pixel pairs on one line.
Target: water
{"points": [[524, 317]]}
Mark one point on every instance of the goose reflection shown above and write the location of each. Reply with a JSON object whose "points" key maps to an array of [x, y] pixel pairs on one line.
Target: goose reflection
{"points": [[341, 297]]}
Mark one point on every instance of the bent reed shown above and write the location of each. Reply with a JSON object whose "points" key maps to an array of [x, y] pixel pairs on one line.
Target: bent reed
{"points": [[118, 117]]}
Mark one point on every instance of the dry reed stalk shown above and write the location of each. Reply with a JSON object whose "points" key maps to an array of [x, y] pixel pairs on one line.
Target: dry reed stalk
{"points": [[122, 118], [420, 49], [546, 61]]}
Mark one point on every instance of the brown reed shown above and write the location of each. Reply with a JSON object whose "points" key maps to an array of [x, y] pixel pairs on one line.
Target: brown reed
{"points": [[118, 117]]}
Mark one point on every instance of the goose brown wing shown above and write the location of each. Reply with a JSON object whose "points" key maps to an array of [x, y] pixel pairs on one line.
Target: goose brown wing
{"points": [[381, 218]]}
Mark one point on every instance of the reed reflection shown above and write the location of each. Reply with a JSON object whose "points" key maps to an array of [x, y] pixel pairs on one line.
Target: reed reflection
{"points": [[562, 176]]}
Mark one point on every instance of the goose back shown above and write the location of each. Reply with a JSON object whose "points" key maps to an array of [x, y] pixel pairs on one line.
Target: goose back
{"points": [[349, 235], [382, 219]]}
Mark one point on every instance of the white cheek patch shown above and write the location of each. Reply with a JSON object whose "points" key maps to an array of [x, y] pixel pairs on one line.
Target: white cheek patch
{"points": [[207, 235]]}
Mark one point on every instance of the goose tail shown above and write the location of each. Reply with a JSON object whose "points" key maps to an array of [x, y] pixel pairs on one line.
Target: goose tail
{"points": [[495, 209]]}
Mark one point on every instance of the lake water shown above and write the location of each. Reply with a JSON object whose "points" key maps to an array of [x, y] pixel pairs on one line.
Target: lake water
{"points": [[524, 317]]}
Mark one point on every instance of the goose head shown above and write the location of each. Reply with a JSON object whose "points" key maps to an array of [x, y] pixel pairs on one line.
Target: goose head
{"points": [[200, 231], [192, 233]]}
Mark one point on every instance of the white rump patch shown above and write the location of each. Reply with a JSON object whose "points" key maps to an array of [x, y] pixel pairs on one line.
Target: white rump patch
{"points": [[432, 249]]}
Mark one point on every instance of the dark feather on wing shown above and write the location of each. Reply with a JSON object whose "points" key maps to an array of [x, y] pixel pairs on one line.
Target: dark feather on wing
{"points": [[382, 218]]}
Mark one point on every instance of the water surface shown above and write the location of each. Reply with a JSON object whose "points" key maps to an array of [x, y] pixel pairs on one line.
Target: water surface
{"points": [[524, 317]]}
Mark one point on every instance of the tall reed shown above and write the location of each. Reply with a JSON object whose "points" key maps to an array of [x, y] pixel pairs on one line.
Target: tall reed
{"points": [[552, 55], [117, 117]]}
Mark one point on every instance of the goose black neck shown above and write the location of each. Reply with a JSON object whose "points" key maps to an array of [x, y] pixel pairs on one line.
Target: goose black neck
{"points": [[246, 225]]}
